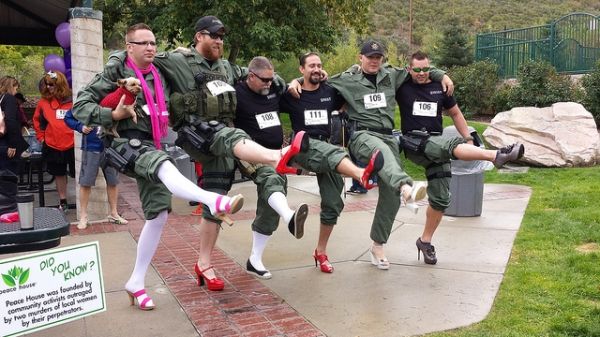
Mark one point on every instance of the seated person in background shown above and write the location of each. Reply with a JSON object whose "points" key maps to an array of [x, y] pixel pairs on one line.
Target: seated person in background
{"points": [[22, 116]]}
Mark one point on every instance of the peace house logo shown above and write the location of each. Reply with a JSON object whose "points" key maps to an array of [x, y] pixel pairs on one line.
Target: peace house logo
{"points": [[16, 276]]}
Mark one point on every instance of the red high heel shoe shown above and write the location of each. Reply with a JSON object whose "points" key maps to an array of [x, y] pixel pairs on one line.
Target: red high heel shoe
{"points": [[299, 144], [324, 263], [375, 164], [214, 284]]}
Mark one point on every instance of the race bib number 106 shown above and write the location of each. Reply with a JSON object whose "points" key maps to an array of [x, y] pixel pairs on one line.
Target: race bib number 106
{"points": [[425, 109]]}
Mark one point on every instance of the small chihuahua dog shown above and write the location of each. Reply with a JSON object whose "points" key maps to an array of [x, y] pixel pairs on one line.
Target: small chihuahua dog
{"points": [[130, 87]]}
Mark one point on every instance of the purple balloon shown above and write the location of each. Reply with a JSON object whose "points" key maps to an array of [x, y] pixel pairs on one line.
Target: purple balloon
{"points": [[63, 35], [55, 63]]}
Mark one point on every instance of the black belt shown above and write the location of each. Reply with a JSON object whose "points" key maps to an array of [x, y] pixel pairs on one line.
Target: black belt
{"points": [[135, 134], [382, 131], [431, 133], [320, 137]]}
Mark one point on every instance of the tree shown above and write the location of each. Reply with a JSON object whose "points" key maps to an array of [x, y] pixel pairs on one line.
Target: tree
{"points": [[273, 28], [591, 84], [455, 49]]}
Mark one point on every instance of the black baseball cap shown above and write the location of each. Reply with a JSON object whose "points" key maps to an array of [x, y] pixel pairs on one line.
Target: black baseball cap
{"points": [[372, 47], [209, 23]]}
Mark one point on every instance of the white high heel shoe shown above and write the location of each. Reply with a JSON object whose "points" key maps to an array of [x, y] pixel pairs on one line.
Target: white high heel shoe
{"points": [[417, 192], [381, 263]]}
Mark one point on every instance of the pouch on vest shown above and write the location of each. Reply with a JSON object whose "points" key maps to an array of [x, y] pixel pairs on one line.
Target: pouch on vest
{"points": [[219, 107], [414, 141], [183, 105]]}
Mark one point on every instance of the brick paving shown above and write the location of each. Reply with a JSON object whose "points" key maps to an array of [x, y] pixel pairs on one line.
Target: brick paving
{"points": [[244, 308]]}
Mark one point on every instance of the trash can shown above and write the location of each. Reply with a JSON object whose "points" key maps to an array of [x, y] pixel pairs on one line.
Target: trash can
{"points": [[466, 186], [183, 162]]}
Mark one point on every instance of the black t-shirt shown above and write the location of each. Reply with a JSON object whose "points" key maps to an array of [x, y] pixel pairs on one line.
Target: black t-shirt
{"points": [[421, 106], [258, 115], [312, 112]]}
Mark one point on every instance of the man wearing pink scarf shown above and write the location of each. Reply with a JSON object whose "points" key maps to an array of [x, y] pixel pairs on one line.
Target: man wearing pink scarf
{"points": [[138, 148]]}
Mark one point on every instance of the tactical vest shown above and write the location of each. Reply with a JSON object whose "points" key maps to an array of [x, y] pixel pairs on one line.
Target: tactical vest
{"points": [[201, 102]]}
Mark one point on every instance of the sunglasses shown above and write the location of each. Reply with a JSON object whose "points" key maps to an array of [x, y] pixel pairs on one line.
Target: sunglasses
{"points": [[421, 69], [143, 43], [213, 36], [264, 79]]}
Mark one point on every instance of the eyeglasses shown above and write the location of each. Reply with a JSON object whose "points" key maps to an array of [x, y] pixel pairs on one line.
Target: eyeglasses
{"points": [[213, 36], [264, 79], [421, 69], [143, 43]]}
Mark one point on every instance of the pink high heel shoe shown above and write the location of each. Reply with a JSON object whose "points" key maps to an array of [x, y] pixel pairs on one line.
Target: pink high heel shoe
{"points": [[144, 301], [221, 209]]}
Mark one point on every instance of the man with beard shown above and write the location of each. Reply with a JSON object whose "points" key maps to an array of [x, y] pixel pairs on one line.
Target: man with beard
{"points": [[202, 108], [137, 151], [258, 114], [312, 113], [421, 103]]}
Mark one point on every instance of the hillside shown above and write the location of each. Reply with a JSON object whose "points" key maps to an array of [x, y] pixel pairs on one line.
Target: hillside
{"points": [[390, 18]]}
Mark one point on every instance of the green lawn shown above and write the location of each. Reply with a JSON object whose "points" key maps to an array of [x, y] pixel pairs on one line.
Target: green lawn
{"points": [[552, 283]]}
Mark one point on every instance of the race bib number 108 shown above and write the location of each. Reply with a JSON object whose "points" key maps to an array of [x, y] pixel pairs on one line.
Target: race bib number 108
{"points": [[267, 119]]}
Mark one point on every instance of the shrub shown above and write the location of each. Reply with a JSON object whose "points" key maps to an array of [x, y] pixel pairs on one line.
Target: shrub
{"points": [[475, 85], [540, 85], [501, 100], [591, 85]]}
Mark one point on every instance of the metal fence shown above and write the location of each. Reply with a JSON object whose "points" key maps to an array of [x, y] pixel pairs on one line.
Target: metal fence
{"points": [[571, 44]]}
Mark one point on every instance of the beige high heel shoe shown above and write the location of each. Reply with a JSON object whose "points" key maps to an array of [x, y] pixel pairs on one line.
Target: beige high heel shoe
{"points": [[381, 263], [411, 194]]}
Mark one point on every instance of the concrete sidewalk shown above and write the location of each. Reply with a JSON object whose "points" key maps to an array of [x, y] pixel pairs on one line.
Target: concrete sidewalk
{"points": [[356, 300]]}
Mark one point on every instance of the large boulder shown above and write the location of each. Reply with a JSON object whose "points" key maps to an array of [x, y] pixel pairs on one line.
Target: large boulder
{"points": [[563, 135]]}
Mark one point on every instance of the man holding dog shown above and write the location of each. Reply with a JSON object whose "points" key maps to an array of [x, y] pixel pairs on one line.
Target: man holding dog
{"points": [[137, 150]]}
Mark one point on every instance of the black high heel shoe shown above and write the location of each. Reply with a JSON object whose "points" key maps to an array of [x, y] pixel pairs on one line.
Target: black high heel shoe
{"points": [[428, 252]]}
